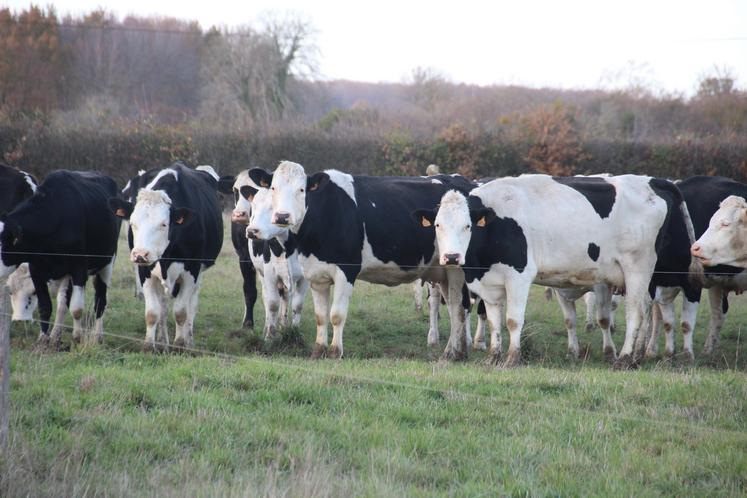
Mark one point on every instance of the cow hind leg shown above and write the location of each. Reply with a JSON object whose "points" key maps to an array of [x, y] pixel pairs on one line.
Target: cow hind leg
{"points": [[479, 340], [637, 305], [517, 293], [101, 283], [339, 311], [590, 302], [717, 299], [604, 314], [297, 299], [64, 294], [77, 303], [568, 307], [689, 315], [182, 308], [652, 349], [320, 296], [250, 293], [494, 314]]}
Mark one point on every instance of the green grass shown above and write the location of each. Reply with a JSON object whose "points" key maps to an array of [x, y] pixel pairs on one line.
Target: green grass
{"points": [[386, 420]]}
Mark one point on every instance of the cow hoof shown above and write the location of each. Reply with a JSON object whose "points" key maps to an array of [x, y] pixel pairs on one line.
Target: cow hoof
{"points": [[149, 347], [668, 356], [589, 327], [270, 333], [572, 354], [624, 362], [179, 344], [688, 359], [513, 360], [248, 325], [650, 354], [76, 338], [494, 358], [609, 355], [334, 353], [451, 355], [42, 344], [479, 346], [612, 329], [419, 308], [319, 351]]}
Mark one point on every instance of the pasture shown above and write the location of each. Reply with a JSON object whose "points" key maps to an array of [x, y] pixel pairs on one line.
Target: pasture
{"points": [[387, 419]]}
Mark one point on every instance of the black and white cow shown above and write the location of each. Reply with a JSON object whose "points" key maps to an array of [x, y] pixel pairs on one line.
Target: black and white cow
{"points": [[275, 256], [242, 191], [177, 231], [129, 193], [559, 232], [358, 227], [64, 229], [705, 197]]}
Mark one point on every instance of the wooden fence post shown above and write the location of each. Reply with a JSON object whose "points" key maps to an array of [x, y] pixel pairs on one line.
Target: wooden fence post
{"points": [[4, 366]]}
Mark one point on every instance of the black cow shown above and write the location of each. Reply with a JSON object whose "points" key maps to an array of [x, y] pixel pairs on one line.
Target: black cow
{"points": [[15, 186], [64, 229], [702, 194], [177, 231], [242, 191], [359, 227]]}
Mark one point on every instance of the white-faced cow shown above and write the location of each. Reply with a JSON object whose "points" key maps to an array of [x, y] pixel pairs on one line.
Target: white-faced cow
{"points": [[560, 232], [725, 242], [275, 256], [358, 227], [177, 231], [241, 189], [64, 229]]}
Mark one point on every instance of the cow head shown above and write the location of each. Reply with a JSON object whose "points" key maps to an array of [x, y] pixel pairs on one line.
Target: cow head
{"points": [[261, 226], [11, 237], [454, 222], [153, 221], [725, 240], [289, 186], [243, 190], [22, 294]]}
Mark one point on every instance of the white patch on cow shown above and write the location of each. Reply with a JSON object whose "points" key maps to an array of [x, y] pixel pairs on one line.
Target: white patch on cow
{"points": [[724, 242], [260, 220], [30, 180], [150, 225], [453, 225], [344, 181], [127, 186], [243, 179], [436, 181], [289, 193], [22, 294], [209, 170], [5, 270], [373, 203], [161, 174]]}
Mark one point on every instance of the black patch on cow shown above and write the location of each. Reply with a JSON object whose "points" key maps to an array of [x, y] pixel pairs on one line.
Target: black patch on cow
{"points": [[673, 244], [14, 187], [593, 251], [600, 193], [500, 241]]}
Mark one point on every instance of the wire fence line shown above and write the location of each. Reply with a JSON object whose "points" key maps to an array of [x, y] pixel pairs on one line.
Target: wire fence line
{"points": [[240, 260], [444, 391]]}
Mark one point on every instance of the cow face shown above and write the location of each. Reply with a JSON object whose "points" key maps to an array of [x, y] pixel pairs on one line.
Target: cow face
{"points": [[260, 222], [454, 223], [289, 186], [243, 190], [153, 221], [725, 240], [11, 236], [22, 294]]}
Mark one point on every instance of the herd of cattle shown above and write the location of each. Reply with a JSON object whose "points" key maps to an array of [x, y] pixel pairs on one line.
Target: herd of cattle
{"points": [[594, 236]]}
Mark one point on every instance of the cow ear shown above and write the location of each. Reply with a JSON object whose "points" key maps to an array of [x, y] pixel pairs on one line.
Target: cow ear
{"points": [[482, 217], [248, 192], [120, 207], [260, 177], [317, 181], [424, 217], [14, 232], [182, 216], [225, 184]]}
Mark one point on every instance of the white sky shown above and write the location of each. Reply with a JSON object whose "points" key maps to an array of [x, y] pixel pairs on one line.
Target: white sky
{"points": [[561, 43]]}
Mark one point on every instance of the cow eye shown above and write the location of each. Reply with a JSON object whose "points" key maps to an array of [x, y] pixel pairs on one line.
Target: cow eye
{"points": [[725, 223], [163, 225], [438, 225], [302, 190], [272, 188], [467, 227]]}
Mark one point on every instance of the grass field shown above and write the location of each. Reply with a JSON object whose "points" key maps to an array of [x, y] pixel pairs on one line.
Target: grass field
{"points": [[386, 420]]}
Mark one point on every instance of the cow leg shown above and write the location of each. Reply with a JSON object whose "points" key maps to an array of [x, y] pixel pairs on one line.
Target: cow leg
{"points": [[64, 293], [434, 302], [652, 349], [456, 348], [271, 299], [615, 301], [603, 301], [517, 294], [297, 299], [284, 293], [590, 302], [637, 306], [320, 296], [717, 299], [101, 283], [338, 313], [479, 341], [138, 284], [77, 305], [689, 315], [155, 310], [250, 292], [192, 310], [568, 306], [182, 306], [666, 305], [467, 305], [417, 291], [45, 309], [494, 314]]}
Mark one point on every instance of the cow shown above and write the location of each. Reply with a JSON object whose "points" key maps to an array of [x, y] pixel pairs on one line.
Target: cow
{"points": [[358, 227], [129, 193], [177, 231], [559, 232], [64, 230], [275, 257], [724, 241], [239, 186]]}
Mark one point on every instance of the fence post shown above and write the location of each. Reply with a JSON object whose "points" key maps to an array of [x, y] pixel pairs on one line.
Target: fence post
{"points": [[4, 367]]}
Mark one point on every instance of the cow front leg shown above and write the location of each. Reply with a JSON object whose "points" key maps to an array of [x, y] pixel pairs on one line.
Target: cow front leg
{"points": [[652, 349], [689, 315], [101, 284], [479, 341], [249, 276], [271, 299], [417, 291], [456, 348], [45, 310], [77, 305], [603, 302], [182, 308], [637, 306], [320, 296], [590, 302], [717, 299], [434, 302], [568, 307], [64, 294], [155, 311], [339, 312], [297, 299], [517, 294], [494, 314]]}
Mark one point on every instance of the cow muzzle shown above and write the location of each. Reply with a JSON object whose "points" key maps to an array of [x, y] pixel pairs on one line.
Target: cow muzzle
{"points": [[140, 257], [697, 252], [240, 216], [252, 233], [281, 219], [450, 259]]}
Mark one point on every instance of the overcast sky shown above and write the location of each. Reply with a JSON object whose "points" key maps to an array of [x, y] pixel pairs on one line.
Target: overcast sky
{"points": [[568, 43]]}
